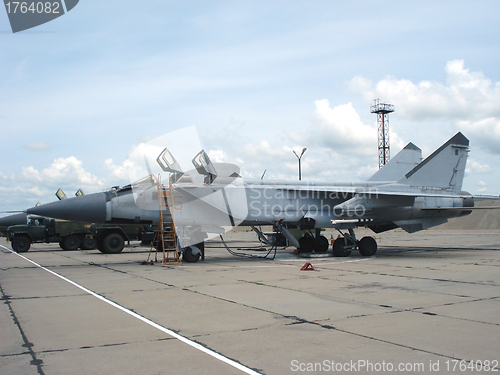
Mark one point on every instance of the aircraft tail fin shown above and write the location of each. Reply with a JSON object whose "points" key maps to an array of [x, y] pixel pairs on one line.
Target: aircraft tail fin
{"points": [[403, 162], [444, 168]]}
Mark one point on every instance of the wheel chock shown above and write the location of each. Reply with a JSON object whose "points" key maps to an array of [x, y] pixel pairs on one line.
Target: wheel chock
{"points": [[308, 267]]}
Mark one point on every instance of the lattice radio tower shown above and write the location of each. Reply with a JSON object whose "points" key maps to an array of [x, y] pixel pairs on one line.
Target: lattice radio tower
{"points": [[382, 110]]}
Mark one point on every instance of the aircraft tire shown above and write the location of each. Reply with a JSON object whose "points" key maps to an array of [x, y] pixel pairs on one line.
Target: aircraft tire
{"points": [[21, 244], [339, 248], [306, 244], [113, 244], [367, 246], [321, 244], [71, 242], [188, 256]]}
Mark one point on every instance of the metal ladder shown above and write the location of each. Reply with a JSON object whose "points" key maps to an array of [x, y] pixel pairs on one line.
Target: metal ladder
{"points": [[165, 239]]}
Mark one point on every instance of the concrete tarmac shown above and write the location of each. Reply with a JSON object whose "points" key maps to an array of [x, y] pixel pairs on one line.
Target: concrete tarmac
{"points": [[427, 303]]}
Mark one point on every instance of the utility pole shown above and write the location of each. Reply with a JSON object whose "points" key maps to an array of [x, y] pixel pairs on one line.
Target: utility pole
{"points": [[300, 157]]}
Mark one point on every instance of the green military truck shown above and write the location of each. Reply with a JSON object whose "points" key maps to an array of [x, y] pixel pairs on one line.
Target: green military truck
{"points": [[70, 235], [109, 239]]}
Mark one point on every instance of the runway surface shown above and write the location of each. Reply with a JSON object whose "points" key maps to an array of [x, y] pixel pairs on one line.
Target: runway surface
{"points": [[426, 303]]}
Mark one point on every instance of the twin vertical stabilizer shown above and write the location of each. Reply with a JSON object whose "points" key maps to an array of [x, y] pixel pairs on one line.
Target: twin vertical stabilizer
{"points": [[404, 161], [444, 168]]}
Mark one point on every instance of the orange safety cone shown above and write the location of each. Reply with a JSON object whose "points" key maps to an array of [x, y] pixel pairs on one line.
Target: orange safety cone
{"points": [[308, 267]]}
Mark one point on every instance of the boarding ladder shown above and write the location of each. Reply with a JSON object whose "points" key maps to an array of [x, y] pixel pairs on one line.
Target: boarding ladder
{"points": [[165, 239]]}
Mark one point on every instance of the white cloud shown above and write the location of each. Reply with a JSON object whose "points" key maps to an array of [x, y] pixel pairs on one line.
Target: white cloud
{"points": [[466, 95], [341, 128], [340, 147], [468, 100], [474, 167], [486, 131], [23, 190], [37, 146], [69, 169], [142, 158], [217, 156], [66, 173], [116, 173]]}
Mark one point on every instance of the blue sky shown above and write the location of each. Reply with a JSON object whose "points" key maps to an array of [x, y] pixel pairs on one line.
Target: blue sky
{"points": [[258, 79]]}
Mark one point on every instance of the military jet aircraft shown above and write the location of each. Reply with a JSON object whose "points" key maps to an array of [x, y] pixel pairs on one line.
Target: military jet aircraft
{"points": [[212, 198], [137, 202], [425, 196]]}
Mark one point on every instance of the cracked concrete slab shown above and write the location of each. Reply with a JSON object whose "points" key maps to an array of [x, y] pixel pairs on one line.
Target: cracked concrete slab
{"points": [[416, 301]]}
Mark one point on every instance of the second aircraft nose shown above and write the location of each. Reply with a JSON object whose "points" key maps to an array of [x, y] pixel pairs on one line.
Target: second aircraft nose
{"points": [[90, 208]]}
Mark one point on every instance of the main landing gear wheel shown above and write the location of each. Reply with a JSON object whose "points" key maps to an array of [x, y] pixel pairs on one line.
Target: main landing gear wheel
{"points": [[306, 243], [367, 246], [340, 248], [321, 244]]}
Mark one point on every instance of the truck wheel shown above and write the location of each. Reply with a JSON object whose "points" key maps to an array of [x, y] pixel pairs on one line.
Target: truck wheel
{"points": [[100, 247], [71, 242], [113, 244], [21, 244], [88, 243]]}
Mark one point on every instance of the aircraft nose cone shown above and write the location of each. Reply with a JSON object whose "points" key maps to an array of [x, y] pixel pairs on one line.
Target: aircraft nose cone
{"points": [[89, 208], [16, 219]]}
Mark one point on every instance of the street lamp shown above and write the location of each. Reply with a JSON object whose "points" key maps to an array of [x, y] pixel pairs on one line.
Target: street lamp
{"points": [[300, 157]]}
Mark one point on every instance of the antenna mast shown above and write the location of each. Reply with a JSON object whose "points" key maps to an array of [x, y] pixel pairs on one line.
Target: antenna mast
{"points": [[382, 110]]}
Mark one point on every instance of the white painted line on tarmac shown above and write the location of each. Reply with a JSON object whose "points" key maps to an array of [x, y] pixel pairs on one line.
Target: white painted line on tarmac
{"points": [[169, 332]]}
